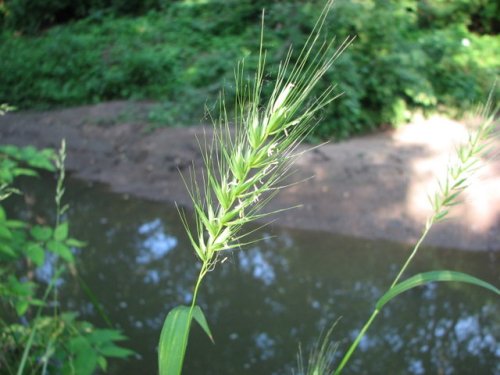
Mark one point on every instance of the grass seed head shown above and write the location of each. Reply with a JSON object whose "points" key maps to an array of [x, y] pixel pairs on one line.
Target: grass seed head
{"points": [[248, 159]]}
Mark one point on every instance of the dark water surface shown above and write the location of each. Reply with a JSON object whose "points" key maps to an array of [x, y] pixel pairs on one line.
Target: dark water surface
{"points": [[265, 300]]}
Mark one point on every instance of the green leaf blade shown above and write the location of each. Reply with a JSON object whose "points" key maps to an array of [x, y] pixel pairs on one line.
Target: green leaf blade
{"points": [[86, 357], [174, 337], [15, 224], [173, 341], [428, 277], [61, 249], [116, 351], [41, 233], [73, 242], [35, 253], [5, 233], [100, 336], [7, 250], [202, 321], [25, 172], [61, 232]]}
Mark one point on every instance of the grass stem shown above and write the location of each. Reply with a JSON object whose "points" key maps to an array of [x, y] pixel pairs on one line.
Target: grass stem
{"points": [[456, 181], [413, 253], [354, 345]]}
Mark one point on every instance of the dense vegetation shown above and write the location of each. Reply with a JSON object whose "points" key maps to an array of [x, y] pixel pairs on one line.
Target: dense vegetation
{"points": [[408, 54], [38, 336]]}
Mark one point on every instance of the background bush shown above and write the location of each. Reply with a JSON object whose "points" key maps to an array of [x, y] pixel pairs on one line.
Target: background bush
{"points": [[408, 54]]}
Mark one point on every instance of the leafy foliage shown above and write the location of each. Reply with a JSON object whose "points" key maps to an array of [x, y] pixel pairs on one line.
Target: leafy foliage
{"points": [[33, 341], [15, 162], [62, 345], [408, 55], [30, 16]]}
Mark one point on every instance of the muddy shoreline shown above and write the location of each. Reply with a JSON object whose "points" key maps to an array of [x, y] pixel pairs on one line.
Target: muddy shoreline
{"points": [[371, 187]]}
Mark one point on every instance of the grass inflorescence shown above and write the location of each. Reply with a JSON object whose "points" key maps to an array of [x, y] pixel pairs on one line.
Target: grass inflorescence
{"points": [[321, 360], [245, 162], [249, 155]]}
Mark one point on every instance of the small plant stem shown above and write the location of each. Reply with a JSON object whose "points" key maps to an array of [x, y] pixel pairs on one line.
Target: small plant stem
{"points": [[201, 275], [414, 252], [31, 337], [370, 320], [354, 345], [46, 357], [59, 161], [52, 285]]}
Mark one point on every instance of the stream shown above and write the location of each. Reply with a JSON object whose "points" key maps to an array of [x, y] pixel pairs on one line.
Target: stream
{"points": [[263, 301]]}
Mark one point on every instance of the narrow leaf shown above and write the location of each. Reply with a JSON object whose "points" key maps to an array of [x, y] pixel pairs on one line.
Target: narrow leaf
{"points": [[25, 172], [202, 321], [428, 277], [103, 364], [441, 215], [174, 337], [100, 336], [173, 341], [73, 242], [15, 224], [116, 351]]}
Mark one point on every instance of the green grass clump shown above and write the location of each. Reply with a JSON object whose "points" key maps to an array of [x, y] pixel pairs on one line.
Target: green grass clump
{"points": [[321, 359]]}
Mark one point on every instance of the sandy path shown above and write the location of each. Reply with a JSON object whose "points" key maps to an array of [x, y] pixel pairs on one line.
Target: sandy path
{"points": [[373, 187]]}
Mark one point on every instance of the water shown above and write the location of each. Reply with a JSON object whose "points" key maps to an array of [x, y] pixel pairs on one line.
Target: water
{"points": [[263, 301]]}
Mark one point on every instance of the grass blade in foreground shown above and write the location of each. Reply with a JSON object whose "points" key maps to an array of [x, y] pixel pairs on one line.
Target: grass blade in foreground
{"points": [[174, 337], [429, 277], [246, 161]]}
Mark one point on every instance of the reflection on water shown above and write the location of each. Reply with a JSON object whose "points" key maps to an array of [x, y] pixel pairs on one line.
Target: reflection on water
{"points": [[46, 271], [263, 301], [156, 243]]}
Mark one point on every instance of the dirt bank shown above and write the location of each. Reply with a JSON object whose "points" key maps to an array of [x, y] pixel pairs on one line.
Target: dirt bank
{"points": [[374, 186]]}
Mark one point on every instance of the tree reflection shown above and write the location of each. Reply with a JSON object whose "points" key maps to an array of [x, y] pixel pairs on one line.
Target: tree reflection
{"points": [[262, 301]]}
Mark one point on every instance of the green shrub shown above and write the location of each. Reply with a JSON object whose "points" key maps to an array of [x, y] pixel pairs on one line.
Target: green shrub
{"points": [[481, 16], [34, 16], [408, 55], [36, 336]]}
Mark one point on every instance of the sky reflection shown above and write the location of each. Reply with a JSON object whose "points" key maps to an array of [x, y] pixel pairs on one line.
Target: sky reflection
{"points": [[157, 242], [266, 299]]}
